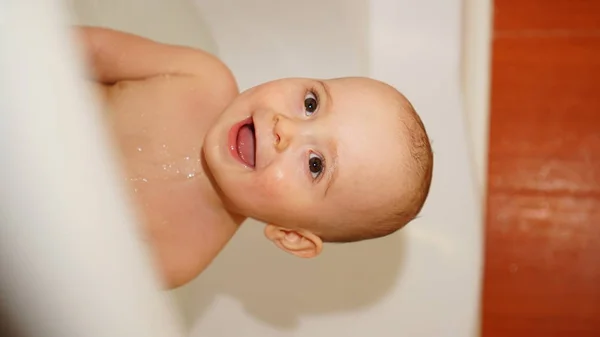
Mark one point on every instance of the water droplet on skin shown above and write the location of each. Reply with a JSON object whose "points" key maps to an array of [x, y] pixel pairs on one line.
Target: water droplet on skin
{"points": [[138, 179], [139, 149], [164, 146], [187, 158]]}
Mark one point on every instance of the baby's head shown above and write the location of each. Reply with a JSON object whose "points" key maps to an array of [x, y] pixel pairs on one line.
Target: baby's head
{"points": [[338, 160]]}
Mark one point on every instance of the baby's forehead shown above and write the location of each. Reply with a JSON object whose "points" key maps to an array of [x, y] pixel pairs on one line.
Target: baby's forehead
{"points": [[374, 118], [365, 186], [362, 98], [371, 158], [365, 85], [371, 136]]}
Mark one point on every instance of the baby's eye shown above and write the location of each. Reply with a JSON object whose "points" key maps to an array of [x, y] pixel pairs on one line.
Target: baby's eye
{"points": [[315, 165], [311, 103]]}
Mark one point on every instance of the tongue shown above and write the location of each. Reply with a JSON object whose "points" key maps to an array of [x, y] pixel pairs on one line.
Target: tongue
{"points": [[245, 144]]}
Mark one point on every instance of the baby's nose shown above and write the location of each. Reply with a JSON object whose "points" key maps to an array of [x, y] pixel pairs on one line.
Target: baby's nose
{"points": [[284, 132]]}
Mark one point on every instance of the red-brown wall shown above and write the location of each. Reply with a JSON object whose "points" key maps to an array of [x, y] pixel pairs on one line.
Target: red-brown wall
{"points": [[542, 255]]}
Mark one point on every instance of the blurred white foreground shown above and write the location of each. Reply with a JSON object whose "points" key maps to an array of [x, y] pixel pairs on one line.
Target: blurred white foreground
{"points": [[70, 259]]}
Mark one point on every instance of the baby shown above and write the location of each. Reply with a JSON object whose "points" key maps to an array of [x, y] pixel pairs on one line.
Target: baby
{"points": [[337, 160]]}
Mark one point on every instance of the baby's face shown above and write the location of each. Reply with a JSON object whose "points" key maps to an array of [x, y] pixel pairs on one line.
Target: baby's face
{"points": [[301, 152]]}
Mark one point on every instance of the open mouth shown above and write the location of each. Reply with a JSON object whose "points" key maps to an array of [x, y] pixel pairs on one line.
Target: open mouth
{"points": [[244, 142]]}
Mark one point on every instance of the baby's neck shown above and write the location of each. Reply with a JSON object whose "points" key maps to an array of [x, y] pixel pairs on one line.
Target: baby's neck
{"points": [[215, 194]]}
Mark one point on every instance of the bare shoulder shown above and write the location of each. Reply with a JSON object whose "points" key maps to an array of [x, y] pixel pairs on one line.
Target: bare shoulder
{"points": [[214, 86], [218, 81], [117, 56], [203, 90]]}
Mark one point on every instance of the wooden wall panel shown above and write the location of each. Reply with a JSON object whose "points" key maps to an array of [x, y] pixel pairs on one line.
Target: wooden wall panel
{"points": [[542, 256]]}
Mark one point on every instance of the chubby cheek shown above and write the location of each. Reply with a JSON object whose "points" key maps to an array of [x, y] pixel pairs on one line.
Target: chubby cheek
{"points": [[274, 183], [275, 191]]}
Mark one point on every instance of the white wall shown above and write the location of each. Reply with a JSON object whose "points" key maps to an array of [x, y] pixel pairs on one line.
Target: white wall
{"points": [[423, 281]]}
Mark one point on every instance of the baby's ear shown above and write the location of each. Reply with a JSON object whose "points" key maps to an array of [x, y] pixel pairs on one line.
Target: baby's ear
{"points": [[301, 243]]}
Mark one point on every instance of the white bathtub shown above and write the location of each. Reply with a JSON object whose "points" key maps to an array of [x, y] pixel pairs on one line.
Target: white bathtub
{"points": [[425, 280], [422, 281]]}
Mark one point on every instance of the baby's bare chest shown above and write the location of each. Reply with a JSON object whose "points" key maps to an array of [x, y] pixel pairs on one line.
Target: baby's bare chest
{"points": [[160, 123], [159, 126], [168, 108]]}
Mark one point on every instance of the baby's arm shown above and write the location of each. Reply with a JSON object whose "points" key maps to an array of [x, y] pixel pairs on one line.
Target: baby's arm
{"points": [[117, 56]]}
